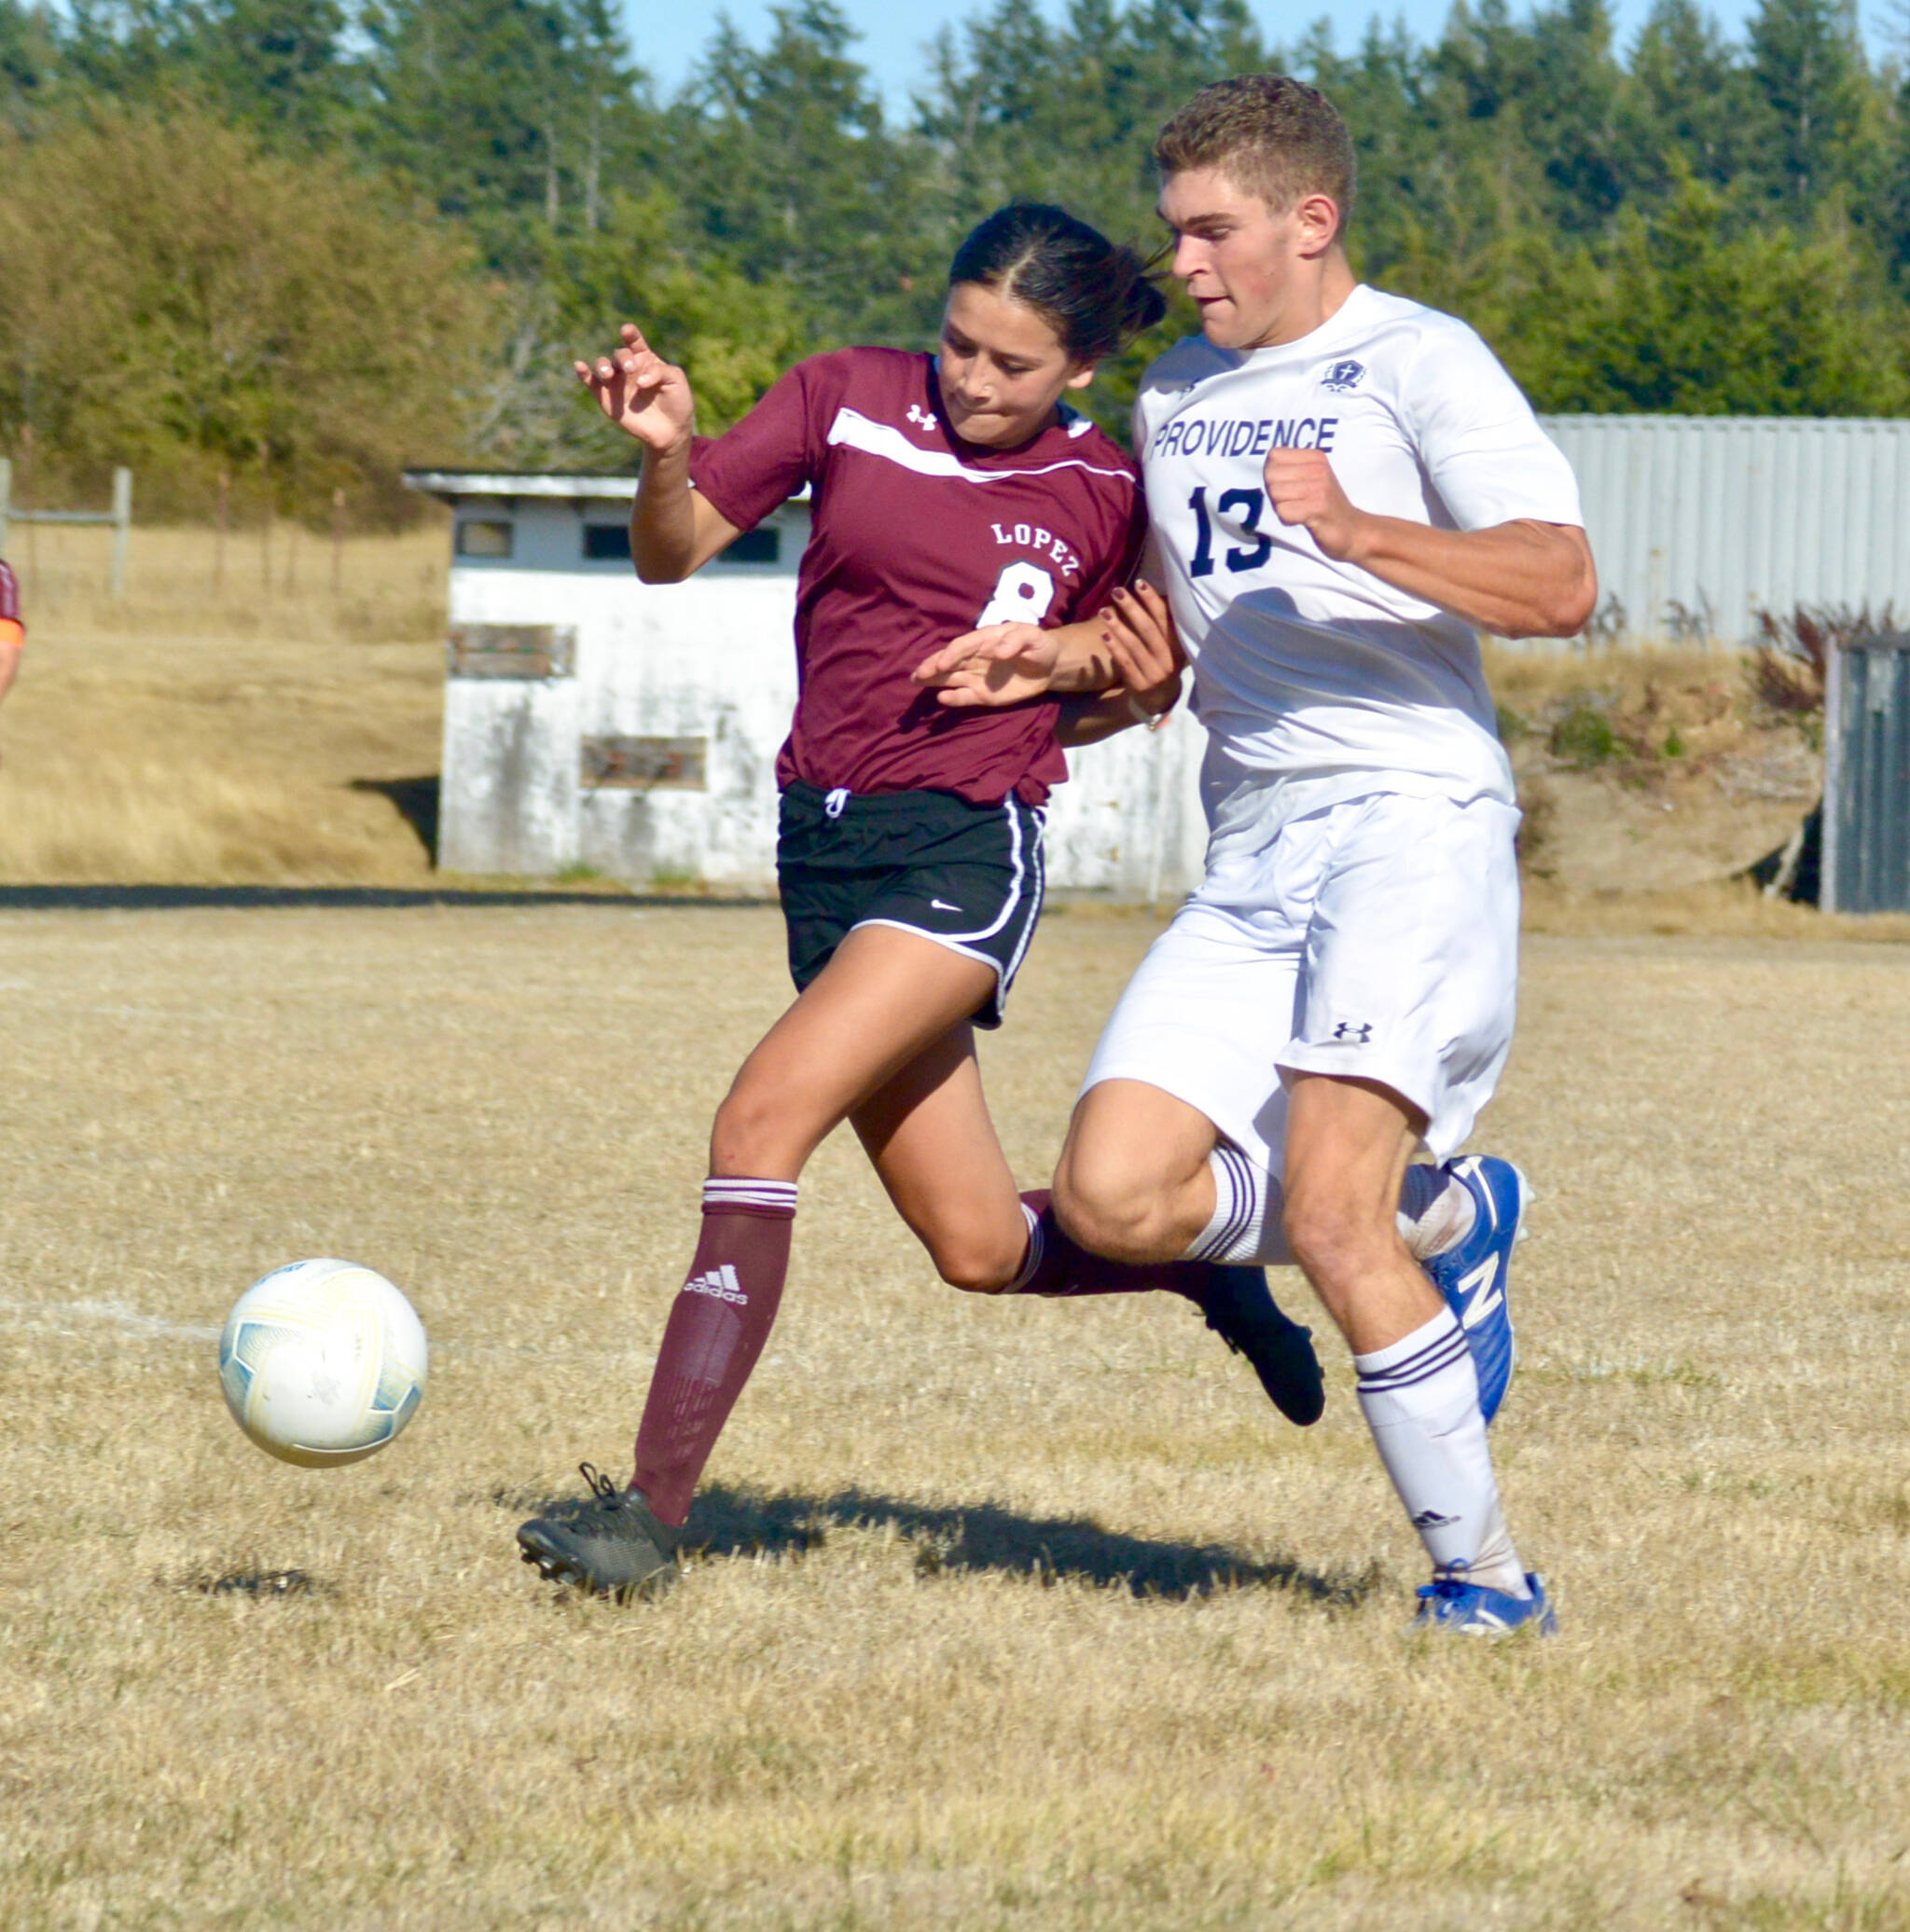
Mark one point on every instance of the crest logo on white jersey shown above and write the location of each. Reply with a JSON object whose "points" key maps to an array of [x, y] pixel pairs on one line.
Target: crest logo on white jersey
{"points": [[1343, 378]]}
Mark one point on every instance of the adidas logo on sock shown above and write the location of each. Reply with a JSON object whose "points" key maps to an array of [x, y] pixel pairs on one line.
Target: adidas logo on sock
{"points": [[720, 1282]]}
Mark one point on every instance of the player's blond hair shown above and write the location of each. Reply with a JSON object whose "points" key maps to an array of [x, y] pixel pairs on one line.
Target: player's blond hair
{"points": [[1270, 135]]}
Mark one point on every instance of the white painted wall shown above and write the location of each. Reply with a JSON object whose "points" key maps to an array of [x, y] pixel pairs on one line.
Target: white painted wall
{"points": [[713, 659]]}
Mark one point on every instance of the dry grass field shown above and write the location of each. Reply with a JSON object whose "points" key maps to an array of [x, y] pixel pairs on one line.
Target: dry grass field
{"points": [[1009, 1615], [209, 731]]}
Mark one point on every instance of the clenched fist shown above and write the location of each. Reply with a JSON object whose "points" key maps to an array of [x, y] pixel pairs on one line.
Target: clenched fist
{"points": [[1302, 489]]}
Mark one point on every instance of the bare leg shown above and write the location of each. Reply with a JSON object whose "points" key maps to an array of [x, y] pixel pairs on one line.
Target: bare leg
{"points": [[1133, 1180], [930, 1137], [885, 999], [1347, 1145]]}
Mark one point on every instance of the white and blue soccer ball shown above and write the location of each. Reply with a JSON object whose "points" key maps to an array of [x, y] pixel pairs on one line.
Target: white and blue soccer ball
{"points": [[323, 1363]]}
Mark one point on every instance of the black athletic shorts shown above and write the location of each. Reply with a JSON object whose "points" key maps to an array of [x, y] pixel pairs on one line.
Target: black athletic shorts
{"points": [[968, 877]]}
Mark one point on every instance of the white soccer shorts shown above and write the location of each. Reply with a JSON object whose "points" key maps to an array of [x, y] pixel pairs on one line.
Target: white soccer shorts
{"points": [[1376, 939]]}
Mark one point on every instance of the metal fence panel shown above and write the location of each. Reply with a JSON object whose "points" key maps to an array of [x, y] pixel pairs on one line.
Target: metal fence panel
{"points": [[1698, 522], [1867, 778]]}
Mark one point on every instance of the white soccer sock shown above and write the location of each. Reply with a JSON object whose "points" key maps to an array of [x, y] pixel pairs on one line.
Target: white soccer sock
{"points": [[1421, 1398], [1246, 1225], [1037, 1247], [1435, 1211]]}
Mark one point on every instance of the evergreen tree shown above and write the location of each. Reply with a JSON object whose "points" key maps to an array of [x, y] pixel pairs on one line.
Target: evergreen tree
{"points": [[274, 65], [513, 115], [1807, 64], [1701, 225], [1681, 314], [1688, 104], [28, 54], [789, 172]]}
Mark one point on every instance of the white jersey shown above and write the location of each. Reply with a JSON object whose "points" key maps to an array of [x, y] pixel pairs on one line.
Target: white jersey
{"points": [[1318, 682]]}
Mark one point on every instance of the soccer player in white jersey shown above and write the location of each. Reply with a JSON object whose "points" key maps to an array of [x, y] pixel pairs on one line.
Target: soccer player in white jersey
{"points": [[1343, 486]]}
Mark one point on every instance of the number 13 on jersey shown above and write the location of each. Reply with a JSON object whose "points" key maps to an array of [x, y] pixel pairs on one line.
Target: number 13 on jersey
{"points": [[1243, 509]]}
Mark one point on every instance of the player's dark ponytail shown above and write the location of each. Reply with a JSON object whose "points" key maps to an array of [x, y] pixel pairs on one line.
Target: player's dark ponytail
{"points": [[1095, 293]]}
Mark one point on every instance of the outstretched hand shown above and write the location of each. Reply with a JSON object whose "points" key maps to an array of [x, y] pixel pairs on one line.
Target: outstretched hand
{"points": [[1136, 648], [999, 664], [645, 396]]}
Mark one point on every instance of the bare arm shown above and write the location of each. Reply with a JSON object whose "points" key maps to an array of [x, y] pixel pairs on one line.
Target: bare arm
{"points": [[1119, 669], [1519, 579], [11, 640], [1010, 663], [674, 532]]}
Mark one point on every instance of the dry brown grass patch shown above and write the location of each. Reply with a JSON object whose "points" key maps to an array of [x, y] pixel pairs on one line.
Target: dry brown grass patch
{"points": [[1006, 1616], [193, 737]]}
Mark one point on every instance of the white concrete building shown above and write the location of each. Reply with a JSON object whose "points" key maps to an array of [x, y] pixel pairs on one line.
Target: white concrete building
{"points": [[593, 719]]}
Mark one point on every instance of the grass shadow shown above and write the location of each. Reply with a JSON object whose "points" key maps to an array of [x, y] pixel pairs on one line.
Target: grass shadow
{"points": [[416, 802], [972, 1537]]}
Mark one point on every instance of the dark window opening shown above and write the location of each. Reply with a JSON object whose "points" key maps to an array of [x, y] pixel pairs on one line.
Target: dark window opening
{"points": [[607, 543], [476, 539]]}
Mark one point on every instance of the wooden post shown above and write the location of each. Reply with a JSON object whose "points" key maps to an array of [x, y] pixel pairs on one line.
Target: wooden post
{"points": [[26, 486], [122, 530], [219, 542], [338, 537]]}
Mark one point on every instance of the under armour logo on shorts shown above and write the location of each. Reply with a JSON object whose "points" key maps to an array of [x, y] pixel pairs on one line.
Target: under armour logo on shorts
{"points": [[1357, 1031]]}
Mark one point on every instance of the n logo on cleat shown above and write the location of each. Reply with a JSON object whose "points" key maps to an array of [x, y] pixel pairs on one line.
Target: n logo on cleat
{"points": [[1477, 1304]]}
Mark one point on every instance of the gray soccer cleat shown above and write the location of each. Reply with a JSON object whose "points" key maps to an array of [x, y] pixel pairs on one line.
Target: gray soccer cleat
{"points": [[609, 1544]]}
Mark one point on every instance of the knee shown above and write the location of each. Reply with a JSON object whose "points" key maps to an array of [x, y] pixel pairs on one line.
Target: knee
{"points": [[750, 1132], [1111, 1209], [977, 1266]]}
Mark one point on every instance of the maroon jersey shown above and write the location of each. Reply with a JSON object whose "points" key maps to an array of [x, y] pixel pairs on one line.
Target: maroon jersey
{"points": [[918, 537], [9, 595]]}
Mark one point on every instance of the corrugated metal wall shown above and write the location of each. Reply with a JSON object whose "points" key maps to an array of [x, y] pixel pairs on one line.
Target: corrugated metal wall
{"points": [[1696, 521], [1866, 864]]}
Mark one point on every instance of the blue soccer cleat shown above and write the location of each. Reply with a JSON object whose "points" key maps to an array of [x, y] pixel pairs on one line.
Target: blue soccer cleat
{"points": [[1450, 1603], [1472, 1274]]}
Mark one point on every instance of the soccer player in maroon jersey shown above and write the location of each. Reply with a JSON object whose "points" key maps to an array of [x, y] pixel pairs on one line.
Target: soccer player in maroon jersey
{"points": [[12, 632], [950, 492]]}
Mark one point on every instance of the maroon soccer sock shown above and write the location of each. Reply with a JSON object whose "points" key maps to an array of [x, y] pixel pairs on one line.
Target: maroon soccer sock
{"points": [[1058, 1265], [716, 1330]]}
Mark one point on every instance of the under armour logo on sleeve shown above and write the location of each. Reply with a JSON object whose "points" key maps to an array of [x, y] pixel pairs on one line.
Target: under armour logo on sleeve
{"points": [[1360, 1032]]}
